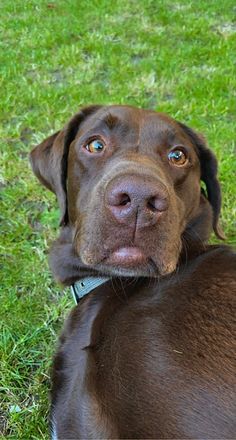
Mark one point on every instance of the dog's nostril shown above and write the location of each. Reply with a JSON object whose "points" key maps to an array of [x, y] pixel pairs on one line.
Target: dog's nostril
{"points": [[118, 198], [124, 199], [157, 204], [151, 204]]}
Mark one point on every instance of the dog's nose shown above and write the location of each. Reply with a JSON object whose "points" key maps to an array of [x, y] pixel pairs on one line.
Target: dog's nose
{"points": [[136, 201]]}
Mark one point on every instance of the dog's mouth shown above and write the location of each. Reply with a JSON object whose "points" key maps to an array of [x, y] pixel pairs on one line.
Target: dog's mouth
{"points": [[124, 260], [127, 257], [124, 256]]}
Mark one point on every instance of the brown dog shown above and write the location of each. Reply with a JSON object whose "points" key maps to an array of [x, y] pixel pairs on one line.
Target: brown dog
{"points": [[151, 352]]}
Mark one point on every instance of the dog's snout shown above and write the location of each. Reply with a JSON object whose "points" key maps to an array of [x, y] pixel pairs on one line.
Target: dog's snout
{"points": [[136, 200]]}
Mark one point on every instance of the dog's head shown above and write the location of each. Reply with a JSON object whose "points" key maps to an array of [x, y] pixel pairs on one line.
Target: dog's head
{"points": [[128, 182]]}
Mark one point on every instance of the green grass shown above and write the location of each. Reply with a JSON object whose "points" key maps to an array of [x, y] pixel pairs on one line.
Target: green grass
{"points": [[173, 56]]}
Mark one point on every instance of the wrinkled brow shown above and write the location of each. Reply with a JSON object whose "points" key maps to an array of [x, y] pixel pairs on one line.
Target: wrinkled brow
{"points": [[109, 120], [169, 134], [112, 122]]}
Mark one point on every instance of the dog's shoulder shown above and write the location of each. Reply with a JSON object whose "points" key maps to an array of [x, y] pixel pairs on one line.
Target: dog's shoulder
{"points": [[214, 271]]}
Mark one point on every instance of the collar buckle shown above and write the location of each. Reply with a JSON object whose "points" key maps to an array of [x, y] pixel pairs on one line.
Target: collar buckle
{"points": [[84, 286]]}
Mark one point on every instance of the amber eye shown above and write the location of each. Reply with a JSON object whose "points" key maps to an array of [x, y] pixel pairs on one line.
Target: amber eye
{"points": [[177, 157], [95, 146]]}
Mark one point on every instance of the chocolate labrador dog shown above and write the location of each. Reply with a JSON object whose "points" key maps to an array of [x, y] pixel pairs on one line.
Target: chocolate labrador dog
{"points": [[149, 352]]}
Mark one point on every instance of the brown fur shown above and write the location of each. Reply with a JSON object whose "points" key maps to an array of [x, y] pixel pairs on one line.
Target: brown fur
{"points": [[150, 354]]}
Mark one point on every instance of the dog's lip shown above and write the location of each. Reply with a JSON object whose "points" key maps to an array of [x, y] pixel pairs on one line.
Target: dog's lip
{"points": [[127, 256]]}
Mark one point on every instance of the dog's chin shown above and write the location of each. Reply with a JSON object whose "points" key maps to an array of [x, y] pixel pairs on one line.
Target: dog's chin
{"points": [[129, 262]]}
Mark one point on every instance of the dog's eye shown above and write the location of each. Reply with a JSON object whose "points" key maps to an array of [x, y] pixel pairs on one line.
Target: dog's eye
{"points": [[177, 157], [95, 146]]}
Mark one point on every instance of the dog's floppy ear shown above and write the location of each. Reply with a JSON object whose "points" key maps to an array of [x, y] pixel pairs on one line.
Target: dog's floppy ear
{"points": [[209, 167], [49, 159]]}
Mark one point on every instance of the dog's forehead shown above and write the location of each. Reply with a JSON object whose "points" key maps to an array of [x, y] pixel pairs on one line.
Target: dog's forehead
{"points": [[146, 122]]}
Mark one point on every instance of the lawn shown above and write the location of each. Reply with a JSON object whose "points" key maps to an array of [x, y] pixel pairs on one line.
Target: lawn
{"points": [[174, 56]]}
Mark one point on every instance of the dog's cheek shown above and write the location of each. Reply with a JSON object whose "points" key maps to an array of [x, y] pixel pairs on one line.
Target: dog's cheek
{"points": [[167, 245], [89, 237], [168, 259], [189, 194]]}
